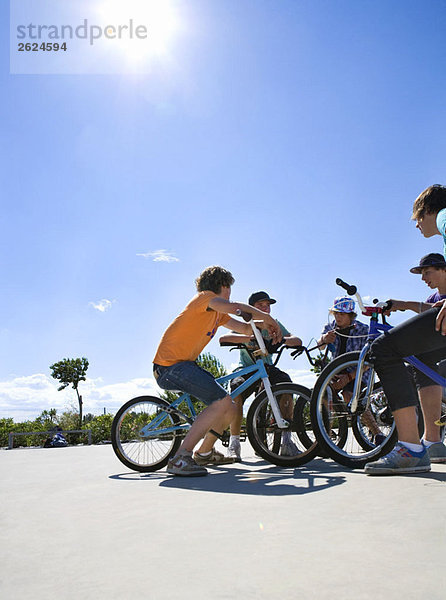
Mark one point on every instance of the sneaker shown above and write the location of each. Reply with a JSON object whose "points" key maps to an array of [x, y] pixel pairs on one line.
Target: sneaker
{"points": [[184, 465], [437, 453], [400, 460], [235, 451], [214, 458], [289, 448]]}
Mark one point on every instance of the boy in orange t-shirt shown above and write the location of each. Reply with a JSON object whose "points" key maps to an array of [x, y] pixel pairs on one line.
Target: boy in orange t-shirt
{"points": [[175, 367]]}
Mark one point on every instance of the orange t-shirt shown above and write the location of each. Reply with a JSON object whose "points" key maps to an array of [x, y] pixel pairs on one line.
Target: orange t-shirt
{"points": [[194, 327]]}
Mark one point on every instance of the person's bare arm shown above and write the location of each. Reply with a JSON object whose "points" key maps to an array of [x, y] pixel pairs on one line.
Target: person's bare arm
{"points": [[403, 305], [235, 338], [292, 341], [225, 306]]}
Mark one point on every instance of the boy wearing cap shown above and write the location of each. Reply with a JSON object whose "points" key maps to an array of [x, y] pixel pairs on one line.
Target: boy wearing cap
{"points": [[346, 334], [432, 269], [261, 301], [175, 368], [425, 337]]}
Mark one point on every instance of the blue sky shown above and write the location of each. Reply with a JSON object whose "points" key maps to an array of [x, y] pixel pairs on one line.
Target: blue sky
{"points": [[285, 140]]}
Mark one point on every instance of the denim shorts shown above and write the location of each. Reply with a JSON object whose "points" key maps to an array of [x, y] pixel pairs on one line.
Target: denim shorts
{"points": [[188, 377]]}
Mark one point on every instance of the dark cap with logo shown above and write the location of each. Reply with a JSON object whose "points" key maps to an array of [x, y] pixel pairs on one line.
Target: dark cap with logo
{"points": [[257, 296], [430, 260]]}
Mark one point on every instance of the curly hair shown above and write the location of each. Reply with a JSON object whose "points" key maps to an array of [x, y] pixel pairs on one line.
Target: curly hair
{"points": [[213, 279], [432, 200]]}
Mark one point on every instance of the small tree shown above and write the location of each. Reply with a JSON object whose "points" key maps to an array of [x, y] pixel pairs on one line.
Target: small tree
{"points": [[70, 371]]}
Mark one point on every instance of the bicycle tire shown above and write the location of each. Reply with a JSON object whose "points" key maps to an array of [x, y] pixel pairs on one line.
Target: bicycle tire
{"points": [[352, 454], [303, 424], [139, 452], [266, 437]]}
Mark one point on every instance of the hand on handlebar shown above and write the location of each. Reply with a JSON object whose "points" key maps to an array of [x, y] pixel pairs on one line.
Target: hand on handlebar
{"points": [[395, 305], [329, 337], [273, 329], [272, 347]]}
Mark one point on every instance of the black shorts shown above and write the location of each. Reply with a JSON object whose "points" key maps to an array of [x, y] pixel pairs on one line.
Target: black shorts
{"points": [[275, 375]]}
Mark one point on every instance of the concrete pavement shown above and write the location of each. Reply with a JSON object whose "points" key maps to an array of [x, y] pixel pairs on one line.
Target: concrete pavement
{"points": [[76, 523]]}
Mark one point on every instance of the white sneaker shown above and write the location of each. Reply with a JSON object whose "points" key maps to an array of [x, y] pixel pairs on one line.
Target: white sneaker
{"points": [[289, 448], [234, 451]]}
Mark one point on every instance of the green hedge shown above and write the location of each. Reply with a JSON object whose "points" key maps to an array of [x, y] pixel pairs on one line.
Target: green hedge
{"points": [[49, 420]]}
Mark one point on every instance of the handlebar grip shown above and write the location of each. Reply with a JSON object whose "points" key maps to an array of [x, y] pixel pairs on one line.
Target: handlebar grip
{"points": [[350, 289], [387, 305], [244, 315], [298, 351]]}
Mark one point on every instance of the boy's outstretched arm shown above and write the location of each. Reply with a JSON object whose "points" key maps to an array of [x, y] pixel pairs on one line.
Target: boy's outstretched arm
{"points": [[226, 306]]}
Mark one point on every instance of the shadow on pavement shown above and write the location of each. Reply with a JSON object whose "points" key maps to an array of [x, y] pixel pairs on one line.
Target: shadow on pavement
{"points": [[259, 479]]}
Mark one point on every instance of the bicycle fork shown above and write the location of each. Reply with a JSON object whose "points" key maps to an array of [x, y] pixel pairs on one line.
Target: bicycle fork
{"points": [[359, 374], [281, 422]]}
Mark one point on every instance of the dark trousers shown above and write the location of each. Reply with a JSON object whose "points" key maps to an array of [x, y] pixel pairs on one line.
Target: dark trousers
{"points": [[416, 336]]}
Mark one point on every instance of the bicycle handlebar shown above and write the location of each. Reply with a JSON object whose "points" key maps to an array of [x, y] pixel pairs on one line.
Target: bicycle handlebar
{"points": [[350, 289], [244, 315]]}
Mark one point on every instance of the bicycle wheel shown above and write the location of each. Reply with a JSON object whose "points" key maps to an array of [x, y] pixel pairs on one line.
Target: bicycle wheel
{"points": [[326, 404], [144, 436], [271, 442], [304, 429], [379, 411]]}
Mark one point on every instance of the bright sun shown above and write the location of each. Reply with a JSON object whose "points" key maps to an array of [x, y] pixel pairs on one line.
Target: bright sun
{"points": [[157, 20]]}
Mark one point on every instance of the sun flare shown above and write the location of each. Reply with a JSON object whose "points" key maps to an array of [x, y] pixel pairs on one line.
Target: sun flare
{"points": [[144, 28]]}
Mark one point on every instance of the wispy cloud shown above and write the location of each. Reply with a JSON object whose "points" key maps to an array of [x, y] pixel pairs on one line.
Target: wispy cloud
{"points": [[26, 397], [102, 305], [160, 256]]}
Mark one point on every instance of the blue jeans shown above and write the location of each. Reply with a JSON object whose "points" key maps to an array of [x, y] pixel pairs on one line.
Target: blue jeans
{"points": [[188, 377]]}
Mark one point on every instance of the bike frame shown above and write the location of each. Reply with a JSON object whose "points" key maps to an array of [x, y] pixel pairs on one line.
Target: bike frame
{"points": [[258, 372]]}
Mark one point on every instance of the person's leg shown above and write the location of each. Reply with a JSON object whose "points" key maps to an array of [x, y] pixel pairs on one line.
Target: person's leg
{"points": [[430, 400], [236, 423], [217, 416], [234, 449], [430, 396], [417, 336], [191, 378]]}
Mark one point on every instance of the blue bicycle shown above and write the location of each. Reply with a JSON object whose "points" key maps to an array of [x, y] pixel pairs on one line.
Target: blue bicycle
{"points": [[363, 409], [147, 430]]}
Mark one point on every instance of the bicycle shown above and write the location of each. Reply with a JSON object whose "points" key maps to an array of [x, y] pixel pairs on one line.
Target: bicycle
{"points": [[147, 430], [327, 404]]}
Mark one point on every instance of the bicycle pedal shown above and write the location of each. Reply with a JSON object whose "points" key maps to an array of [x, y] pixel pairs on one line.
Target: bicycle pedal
{"points": [[440, 422]]}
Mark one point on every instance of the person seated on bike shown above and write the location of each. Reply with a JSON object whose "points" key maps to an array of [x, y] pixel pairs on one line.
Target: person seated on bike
{"points": [[423, 336], [261, 301], [346, 334], [175, 367], [432, 269]]}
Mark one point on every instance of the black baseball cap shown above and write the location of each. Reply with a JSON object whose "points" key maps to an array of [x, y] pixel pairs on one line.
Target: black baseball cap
{"points": [[257, 296], [430, 260]]}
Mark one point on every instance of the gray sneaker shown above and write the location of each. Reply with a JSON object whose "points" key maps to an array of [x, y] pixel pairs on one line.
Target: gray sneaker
{"points": [[214, 458], [437, 453], [235, 451], [289, 448], [400, 460], [185, 466]]}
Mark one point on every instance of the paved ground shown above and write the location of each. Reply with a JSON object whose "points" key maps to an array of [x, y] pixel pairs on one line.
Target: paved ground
{"points": [[76, 524]]}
